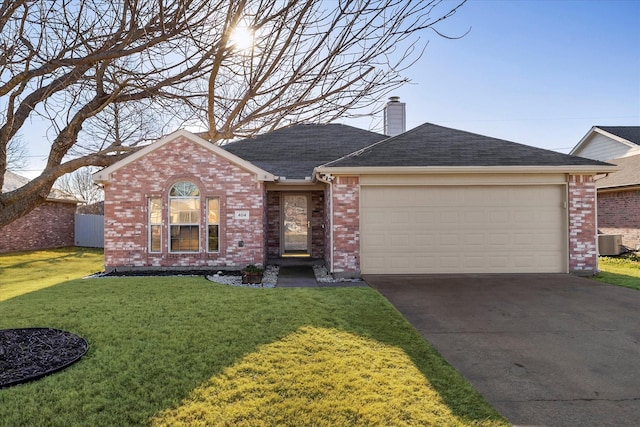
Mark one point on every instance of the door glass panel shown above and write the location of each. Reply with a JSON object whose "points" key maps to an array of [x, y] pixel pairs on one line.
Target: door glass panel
{"points": [[295, 224]]}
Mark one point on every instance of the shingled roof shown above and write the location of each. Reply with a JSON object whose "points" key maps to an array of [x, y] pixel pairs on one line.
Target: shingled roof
{"points": [[630, 133], [627, 175], [433, 145], [295, 151]]}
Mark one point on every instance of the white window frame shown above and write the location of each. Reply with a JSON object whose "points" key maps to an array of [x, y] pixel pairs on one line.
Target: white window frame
{"points": [[212, 223], [154, 224], [182, 224]]}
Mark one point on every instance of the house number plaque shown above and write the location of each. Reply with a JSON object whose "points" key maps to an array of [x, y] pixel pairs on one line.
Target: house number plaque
{"points": [[241, 215]]}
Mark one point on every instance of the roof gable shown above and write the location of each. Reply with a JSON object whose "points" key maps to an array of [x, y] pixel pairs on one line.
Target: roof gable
{"points": [[430, 145], [294, 152], [104, 175], [606, 142], [628, 133], [14, 181]]}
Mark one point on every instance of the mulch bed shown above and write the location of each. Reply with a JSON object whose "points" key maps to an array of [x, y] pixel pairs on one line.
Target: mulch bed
{"points": [[145, 273], [31, 353]]}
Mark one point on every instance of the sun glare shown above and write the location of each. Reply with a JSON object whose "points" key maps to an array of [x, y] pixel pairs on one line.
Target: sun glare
{"points": [[242, 38]]}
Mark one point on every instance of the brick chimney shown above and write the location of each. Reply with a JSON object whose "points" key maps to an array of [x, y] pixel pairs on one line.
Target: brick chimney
{"points": [[395, 117]]}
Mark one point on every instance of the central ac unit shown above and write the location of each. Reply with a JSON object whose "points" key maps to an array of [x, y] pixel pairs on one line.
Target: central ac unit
{"points": [[609, 244]]}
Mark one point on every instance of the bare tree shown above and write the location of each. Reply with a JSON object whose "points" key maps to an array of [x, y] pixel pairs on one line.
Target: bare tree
{"points": [[16, 150], [94, 69], [80, 184]]}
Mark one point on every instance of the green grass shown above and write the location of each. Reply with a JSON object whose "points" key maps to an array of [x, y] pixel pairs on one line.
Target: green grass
{"points": [[621, 271], [167, 351], [23, 272]]}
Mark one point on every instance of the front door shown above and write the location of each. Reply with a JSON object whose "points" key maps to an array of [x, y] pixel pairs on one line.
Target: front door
{"points": [[295, 225]]}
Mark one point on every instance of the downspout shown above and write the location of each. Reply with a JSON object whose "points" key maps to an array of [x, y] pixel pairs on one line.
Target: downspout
{"points": [[328, 179]]}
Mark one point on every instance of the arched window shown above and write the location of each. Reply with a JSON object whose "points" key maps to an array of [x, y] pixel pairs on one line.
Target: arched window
{"points": [[184, 217]]}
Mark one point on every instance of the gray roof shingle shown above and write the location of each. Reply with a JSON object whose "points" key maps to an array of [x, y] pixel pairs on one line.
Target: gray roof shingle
{"points": [[295, 151], [433, 145], [628, 173], [630, 133]]}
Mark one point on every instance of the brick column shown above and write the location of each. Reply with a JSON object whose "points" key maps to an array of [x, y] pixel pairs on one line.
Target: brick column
{"points": [[346, 226], [583, 255]]}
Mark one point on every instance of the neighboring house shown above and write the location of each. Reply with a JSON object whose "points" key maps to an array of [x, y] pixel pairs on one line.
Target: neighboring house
{"points": [[609, 142], [430, 200], [618, 192], [50, 225]]}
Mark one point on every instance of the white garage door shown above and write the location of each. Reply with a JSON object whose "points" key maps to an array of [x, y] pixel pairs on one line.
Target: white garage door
{"points": [[463, 229]]}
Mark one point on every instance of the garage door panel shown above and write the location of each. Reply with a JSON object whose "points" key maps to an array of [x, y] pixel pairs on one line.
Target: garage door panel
{"points": [[400, 241], [454, 229], [399, 262], [474, 239], [422, 239], [473, 217]]}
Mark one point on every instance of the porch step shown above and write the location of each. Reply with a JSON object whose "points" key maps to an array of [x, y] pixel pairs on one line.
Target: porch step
{"points": [[295, 261]]}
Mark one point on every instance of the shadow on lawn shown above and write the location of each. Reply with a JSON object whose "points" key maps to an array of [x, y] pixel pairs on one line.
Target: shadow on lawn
{"points": [[153, 341], [54, 258]]}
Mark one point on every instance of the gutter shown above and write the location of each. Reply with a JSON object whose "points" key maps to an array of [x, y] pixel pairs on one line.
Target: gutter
{"points": [[426, 170]]}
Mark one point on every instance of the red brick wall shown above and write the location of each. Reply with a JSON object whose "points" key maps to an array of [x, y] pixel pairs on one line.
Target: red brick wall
{"points": [[273, 223], [126, 205], [583, 256], [619, 213], [317, 224], [50, 225], [346, 225]]}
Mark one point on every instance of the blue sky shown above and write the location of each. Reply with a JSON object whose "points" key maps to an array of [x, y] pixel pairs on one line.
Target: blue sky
{"points": [[538, 72]]}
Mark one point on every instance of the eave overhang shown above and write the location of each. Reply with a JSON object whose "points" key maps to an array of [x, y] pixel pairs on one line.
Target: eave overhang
{"points": [[425, 170]]}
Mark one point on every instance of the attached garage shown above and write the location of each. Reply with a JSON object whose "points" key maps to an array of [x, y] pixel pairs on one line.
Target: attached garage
{"points": [[436, 200], [457, 228]]}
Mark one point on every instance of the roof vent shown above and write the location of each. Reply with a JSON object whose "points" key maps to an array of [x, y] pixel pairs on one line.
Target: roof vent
{"points": [[395, 117]]}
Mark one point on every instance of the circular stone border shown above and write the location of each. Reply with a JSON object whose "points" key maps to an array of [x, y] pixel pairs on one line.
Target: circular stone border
{"points": [[27, 354]]}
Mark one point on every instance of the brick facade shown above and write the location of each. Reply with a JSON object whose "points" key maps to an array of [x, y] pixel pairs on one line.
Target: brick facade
{"points": [[50, 225], [619, 213], [346, 225], [335, 214], [273, 223], [583, 255], [242, 241]]}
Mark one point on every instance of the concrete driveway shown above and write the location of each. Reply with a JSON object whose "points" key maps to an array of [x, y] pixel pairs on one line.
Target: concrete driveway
{"points": [[543, 349]]}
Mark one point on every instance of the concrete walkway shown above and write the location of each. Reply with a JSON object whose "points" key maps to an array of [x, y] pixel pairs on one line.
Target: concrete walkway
{"points": [[300, 276], [543, 349]]}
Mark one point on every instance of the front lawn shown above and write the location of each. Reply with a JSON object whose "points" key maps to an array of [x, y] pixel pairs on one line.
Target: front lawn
{"points": [[621, 271], [185, 351], [22, 272]]}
